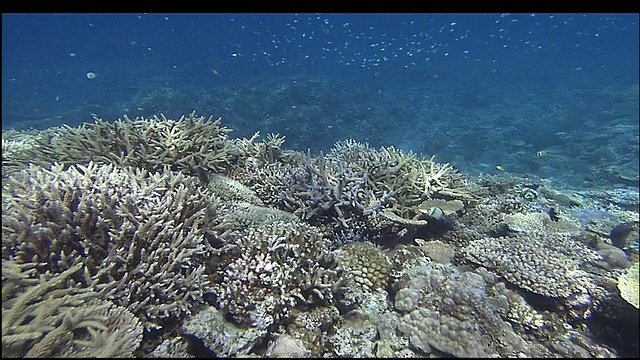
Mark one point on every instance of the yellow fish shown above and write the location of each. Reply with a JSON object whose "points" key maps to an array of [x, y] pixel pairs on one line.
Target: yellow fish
{"points": [[499, 168], [541, 154]]}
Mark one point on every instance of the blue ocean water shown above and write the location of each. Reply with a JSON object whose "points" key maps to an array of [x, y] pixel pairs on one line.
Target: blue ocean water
{"points": [[552, 95]]}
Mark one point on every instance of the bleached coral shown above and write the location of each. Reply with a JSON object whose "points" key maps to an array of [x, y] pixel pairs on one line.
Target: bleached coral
{"points": [[285, 346]]}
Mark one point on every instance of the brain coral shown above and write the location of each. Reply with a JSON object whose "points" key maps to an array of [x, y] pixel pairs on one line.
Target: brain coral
{"points": [[367, 266]]}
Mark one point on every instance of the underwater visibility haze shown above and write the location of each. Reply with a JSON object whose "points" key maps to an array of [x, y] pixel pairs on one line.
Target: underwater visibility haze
{"points": [[326, 185]]}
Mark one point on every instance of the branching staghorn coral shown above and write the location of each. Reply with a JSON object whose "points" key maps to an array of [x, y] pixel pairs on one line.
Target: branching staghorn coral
{"points": [[358, 188], [139, 235], [413, 179], [43, 317], [262, 152], [151, 144]]}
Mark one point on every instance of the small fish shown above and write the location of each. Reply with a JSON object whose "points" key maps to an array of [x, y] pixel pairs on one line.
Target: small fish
{"points": [[553, 215], [499, 168], [202, 174], [91, 75], [541, 154], [435, 213]]}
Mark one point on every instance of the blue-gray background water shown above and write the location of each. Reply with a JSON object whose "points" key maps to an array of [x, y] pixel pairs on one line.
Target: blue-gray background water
{"points": [[548, 95]]}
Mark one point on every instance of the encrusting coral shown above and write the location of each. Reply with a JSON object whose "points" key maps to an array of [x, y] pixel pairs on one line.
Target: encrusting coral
{"points": [[628, 285], [452, 312], [546, 264]]}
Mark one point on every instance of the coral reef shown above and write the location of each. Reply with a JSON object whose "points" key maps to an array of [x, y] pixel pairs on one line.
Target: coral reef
{"points": [[159, 237]]}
